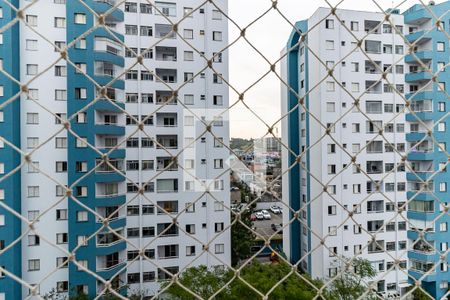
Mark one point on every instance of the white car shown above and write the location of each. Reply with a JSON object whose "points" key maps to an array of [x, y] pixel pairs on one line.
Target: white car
{"points": [[275, 209], [266, 214], [259, 215]]}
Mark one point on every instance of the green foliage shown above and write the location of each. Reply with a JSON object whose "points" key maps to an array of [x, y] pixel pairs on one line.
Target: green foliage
{"points": [[242, 239], [241, 144], [349, 282], [205, 282], [202, 281], [419, 294]]}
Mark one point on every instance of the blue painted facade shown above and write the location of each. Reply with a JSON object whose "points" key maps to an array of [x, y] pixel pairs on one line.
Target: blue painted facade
{"points": [[10, 130], [90, 130], [294, 128], [415, 16]]}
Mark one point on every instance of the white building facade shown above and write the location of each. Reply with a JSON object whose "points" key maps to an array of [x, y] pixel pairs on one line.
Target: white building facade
{"points": [[168, 199], [339, 148]]}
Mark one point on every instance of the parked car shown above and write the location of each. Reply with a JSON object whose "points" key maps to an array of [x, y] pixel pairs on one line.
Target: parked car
{"points": [[253, 217], [276, 227], [266, 214], [259, 215], [275, 209]]}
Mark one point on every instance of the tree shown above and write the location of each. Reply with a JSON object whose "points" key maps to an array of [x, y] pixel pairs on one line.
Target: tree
{"points": [[349, 282], [264, 277], [242, 238], [202, 281], [205, 282]]}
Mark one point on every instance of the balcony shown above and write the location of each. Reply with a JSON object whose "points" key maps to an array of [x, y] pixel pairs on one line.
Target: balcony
{"points": [[167, 229], [372, 27], [375, 206], [168, 251], [420, 36], [423, 56], [167, 142], [110, 264], [374, 167], [373, 67], [165, 98], [425, 94], [422, 106], [166, 164], [109, 190], [166, 53], [166, 120], [421, 187], [108, 69], [166, 75], [167, 207], [107, 167], [103, 129], [417, 14], [372, 47], [103, 6], [164, 31], [373, 87], [374, 147], [167, 185], [421, 75]]}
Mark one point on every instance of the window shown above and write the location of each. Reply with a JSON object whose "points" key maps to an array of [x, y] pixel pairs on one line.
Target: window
{"points": [[60, 71], [188, 34], [130, 7], [61, 166], [80, 18], [61, 262], [32, 142], [82, 216], [61, 142], [32, 118], [61, 214], [189, 99], [60, 22], [61, 238], [217, 35], [190, 250], [146, 31], [31, 45], [34, 240], [34, 265], [354, 26], [330, 86], [188, 55], [217, 78], [60, 95], [440, 46], [441, 126], [329, 24], [331, 107], [32, 69], [131, 29], [329, 45], [219, 248], [332, 230], [145, 8], [31, 20], [187, 12], [216, 15], [81, 44]]}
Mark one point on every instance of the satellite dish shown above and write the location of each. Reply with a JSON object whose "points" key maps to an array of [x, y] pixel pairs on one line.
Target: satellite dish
{"points": [[432, 2]]}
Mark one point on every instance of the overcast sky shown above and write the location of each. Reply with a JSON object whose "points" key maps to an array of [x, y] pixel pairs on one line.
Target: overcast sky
{"points": [[269, 35]]}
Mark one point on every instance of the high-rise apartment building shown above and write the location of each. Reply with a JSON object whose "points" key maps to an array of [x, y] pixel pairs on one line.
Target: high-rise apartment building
{"points": [[348, 182], [141, 108], [428, 176]]}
